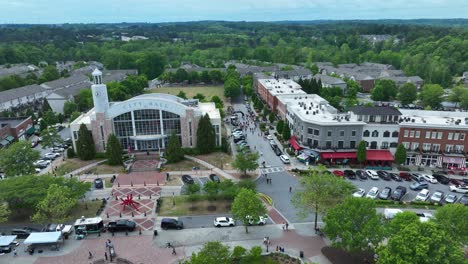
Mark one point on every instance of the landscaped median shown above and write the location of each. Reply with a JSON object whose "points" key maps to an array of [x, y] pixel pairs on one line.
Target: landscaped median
{"points": [[413, 205]]}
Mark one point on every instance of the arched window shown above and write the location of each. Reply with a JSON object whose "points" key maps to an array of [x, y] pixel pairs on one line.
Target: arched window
{"points": [[395, 134], [375, 133], [386, 134], [366, 133]]}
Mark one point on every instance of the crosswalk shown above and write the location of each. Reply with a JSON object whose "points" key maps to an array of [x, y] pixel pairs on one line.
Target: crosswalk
{"points": [[271, 170]]}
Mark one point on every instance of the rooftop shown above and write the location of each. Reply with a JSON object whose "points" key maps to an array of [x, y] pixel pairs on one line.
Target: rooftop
{"points": [[440, 119], [281, 86], [375, 110], [210, 109], [314, 109], [328, 80], [13, 122], [29, 90]]}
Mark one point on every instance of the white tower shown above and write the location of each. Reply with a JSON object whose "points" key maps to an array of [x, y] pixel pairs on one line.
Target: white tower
{"points": [[99, 90]]}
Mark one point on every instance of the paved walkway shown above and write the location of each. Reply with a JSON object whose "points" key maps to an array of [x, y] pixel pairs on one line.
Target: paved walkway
{"points": [[212, 168]]}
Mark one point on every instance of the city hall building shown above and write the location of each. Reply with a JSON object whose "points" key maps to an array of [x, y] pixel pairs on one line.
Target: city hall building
{"points": [[144, 122]]}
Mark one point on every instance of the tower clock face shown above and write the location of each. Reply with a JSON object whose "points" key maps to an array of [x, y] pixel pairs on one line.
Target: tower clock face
{"points": [[96, 93]]}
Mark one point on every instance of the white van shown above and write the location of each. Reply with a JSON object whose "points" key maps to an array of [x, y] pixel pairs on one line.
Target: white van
{"points": [[390, 213]]}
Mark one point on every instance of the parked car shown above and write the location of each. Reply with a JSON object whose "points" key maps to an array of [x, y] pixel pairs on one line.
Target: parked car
{"points": [[395, 177], [464, 200], [187, 179], [373, 192], [416, 186], [285, 159], [422, 195], [41, 164], [260, 221], [384, 175], [429, 178], [170, 223], [57, 149], [437, 197], [34, 144], [456, 182], [385, 193], [416, 176], [398, 193], [372, 174], [459, 188], [224, 221], [359, 193], [23, 232], [362, 174], [442, 178], [121, 225], [214, 178], [269, 137], [450, 198], [350, 174], [51, 156], [98, 183], [405, 176], [272, 143], [338, 173], [277, 151]]}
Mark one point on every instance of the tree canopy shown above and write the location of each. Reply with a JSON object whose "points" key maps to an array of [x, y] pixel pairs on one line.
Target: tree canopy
{"points": [[407, 93], [449, 216], [18, 159], [56, 205], [361, 152], [113, 150], [384, 90], [246, 162], [400, 154], [206, 135], [174, 152], [431, 95], [85, 144], [247, 207]]}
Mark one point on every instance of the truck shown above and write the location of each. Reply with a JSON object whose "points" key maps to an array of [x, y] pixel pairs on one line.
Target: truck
{"points": [[65, 229], [390, 213], [121, 225]]}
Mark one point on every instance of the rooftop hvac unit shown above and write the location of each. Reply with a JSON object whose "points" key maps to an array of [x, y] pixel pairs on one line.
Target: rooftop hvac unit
{"points": [[412, 120], [307, 112]]}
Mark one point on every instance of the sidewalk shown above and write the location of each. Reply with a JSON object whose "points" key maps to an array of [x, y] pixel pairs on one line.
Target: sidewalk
{"points": [[212, 168]]}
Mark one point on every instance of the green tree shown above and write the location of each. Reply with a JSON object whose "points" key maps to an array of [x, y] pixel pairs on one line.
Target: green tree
{"points": [[407, 93], [421, 243], [55, 206], [431, 95], [211, 188], [181, 75], [193, 188], [4, 212], [182, 94], [459, 95], [320, 192], [246, 162], [174, 152], [232, 87], [361, 152], [49, 118], [279, 126], [354, 225], [286, 134], [400, 154], [70, 153], [84, 99], [449, 216], [85, 148], [69, 107], [50, 73], [247, 207], [400, 221], [212, 253], [218, 102], [18, 159], [271, 117], [199, 96], [206, 136], [74, 116], [113, 150], [27, 191], [50, 137], [384, 90], [151, 64]]}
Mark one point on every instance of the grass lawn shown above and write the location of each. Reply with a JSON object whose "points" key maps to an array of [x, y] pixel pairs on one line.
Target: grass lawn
{"points": [[185, 207], [107, 169], [80, 210], [72, 164], [184, 165], [207, 91], [218, 159]]}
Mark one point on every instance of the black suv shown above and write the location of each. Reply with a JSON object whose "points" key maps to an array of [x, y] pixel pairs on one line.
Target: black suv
{"points": [[187, 179], [384, 175], [442, 178], [170, 223], [121, 225], [350, 174], [398, 193], [23, 232], [395, 176]]}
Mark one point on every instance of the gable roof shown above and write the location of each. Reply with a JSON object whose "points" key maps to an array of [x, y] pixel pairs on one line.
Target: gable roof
{"points": [[375, 110], [325, 79], [29, 90]]}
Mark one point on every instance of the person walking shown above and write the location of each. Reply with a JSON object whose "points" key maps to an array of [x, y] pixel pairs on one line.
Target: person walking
{"points": [[105, 255], [15, 253], [287, 226], [90, 255], [290, 189], [173, 251]]}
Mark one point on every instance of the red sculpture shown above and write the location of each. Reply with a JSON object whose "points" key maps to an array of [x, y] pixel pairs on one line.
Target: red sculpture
{"points": [[130, 202]]}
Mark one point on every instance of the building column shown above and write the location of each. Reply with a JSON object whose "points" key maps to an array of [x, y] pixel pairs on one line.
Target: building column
{"points": [[161, 123], [135, 145]]}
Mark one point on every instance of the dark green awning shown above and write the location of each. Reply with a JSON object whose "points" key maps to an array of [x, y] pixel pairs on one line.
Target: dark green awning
{"points": [[30, 131]]}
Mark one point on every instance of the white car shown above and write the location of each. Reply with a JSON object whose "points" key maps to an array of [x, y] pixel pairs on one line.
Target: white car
{"points": [[429, 178], [270, 137], [37, 170], [459, 188], [450, 198], [285, 159], [373, 193], [422, 195], [359, 193], [372, 174], [57, 149], [224, 221], [51, 155], [261, 220], [437, 196]]}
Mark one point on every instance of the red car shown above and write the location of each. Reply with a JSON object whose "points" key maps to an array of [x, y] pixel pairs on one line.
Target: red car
{"points": [[338, 173]]}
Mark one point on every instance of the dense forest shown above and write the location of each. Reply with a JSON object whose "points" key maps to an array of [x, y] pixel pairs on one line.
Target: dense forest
{"points": [[435, 52]]}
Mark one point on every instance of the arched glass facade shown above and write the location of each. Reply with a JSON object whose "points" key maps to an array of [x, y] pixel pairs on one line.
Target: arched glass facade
{"points": [[147, 129]]}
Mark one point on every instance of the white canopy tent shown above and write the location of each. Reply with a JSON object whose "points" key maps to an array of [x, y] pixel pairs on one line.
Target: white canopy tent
{"points": [[43, 238], [6, 240]]}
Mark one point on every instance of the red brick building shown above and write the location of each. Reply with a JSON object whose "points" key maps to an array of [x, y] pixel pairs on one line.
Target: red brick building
{"points": [[269, 89], [434, 138], [13, 129]]}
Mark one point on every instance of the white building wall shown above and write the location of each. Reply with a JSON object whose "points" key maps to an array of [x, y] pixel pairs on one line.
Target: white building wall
{"points": [[380, 139]]}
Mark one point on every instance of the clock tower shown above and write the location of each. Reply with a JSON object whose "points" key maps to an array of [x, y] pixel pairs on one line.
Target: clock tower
{"points": [[99, 90]]}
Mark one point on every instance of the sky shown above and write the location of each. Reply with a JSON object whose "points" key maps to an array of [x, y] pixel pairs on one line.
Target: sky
{"points": [[112, 11]]}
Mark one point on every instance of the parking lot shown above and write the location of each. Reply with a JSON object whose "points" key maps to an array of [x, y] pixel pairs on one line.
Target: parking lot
{"points": [[410, 195], [204, 221]]}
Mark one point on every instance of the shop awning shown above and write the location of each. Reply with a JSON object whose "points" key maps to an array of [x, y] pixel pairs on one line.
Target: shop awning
{"points": [[43, 238], [294, 144], [10, 138], [6, 240], [379, 155], [338, 155], [4, 142], [30, 131]]}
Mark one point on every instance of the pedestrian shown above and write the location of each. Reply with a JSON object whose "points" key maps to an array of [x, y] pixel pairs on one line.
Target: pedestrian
{"points": [[287, 226], [290, 189], [90, 255], [15, 253], [284, 226], [105, 255], [173, 251], [277, 248], [107, 243], [270, 180]]}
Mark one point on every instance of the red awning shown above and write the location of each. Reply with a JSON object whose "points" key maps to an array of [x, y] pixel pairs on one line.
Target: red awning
{"points": [[379, 155], [338, 155], [294, 143]]}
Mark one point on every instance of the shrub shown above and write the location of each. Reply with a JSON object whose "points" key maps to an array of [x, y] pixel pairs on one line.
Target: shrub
{"points": [[190, 151], [70, 153], [403, 168], [100, 155]]}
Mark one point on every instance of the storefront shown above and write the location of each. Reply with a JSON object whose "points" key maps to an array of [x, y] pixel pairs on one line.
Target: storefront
{"points": [[453, 162]]}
